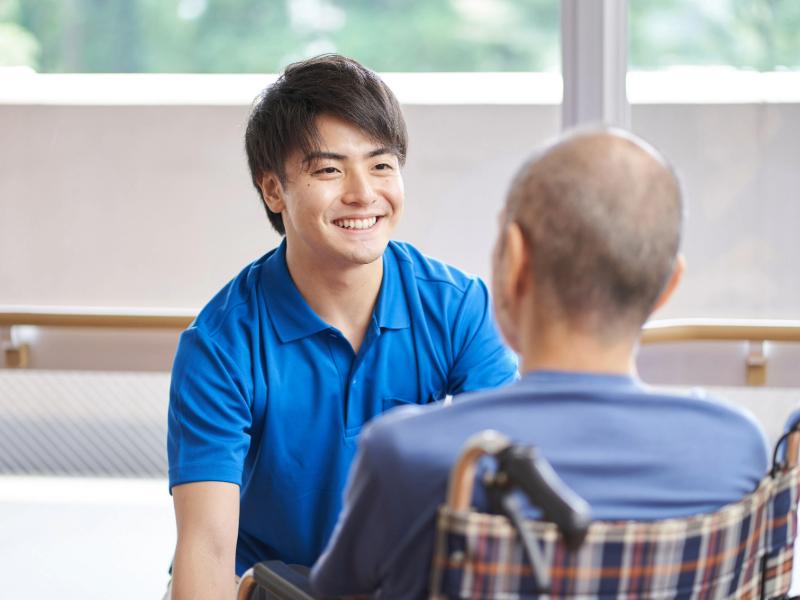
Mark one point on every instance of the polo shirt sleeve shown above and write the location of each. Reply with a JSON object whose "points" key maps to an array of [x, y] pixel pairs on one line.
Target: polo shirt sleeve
{"points": [[482, 360], [209, 414]]}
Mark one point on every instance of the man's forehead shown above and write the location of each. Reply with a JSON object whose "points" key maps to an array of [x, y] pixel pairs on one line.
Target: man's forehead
{"points": [[330, 137]]}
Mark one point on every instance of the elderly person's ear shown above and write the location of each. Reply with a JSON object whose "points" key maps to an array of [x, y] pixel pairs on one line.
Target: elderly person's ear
{"points": [[515, 262], [672, 283], [510, 278]]}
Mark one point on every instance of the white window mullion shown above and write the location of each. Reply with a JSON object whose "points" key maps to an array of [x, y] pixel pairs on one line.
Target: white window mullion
{"points": [[594, 51]]}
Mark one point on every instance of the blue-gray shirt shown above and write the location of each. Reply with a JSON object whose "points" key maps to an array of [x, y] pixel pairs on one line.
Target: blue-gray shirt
{"points": [[631, 452]]}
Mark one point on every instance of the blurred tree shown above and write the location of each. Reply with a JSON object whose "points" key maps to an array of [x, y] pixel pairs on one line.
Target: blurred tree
{"points": [[753, 34], [18, 46], [246, 36], [767, 33], [211, 36], [447, 35]]}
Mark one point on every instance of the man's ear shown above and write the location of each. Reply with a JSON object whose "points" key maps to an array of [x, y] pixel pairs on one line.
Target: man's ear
{"points": [[272, 192], [509, 265], [674, 280], [515, 263]]}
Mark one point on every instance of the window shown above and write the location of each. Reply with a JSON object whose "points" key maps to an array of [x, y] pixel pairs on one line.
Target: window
{"points": [[747, 34], [721, 101], [255, 36]]}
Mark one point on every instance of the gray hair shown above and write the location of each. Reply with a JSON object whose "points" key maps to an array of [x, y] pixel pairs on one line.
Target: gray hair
{"points": [[601, 212]]}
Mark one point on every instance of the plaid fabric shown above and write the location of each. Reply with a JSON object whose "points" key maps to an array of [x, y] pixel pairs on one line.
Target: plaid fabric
{"points": [[716, 555]]}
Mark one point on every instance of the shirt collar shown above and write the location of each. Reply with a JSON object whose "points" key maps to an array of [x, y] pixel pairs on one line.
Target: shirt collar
{"points": [[391, 309], [294, 319], [291, 315], [580, 378]]}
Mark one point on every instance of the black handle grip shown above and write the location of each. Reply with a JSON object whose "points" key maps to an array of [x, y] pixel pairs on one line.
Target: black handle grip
{"points": [[529, 471]]}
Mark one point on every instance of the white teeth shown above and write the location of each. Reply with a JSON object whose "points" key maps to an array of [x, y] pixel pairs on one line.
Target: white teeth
{"points": [[356, 223]]}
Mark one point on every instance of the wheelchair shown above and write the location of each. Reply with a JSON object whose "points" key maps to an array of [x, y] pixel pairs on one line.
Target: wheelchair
{"points": [[742, 551]]}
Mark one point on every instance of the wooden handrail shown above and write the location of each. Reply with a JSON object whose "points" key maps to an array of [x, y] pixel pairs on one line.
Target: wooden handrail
{"points": [[691, 330], [667, 330], [114, 318], [756, 332]]}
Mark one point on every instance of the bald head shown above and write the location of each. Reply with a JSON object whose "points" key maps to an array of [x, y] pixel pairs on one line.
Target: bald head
{"points": [[601, 213]]}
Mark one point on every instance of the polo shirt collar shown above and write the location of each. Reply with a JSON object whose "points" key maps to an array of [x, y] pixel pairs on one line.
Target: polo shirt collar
{"points": [[294, 319], [391, 309], [291, 315]]}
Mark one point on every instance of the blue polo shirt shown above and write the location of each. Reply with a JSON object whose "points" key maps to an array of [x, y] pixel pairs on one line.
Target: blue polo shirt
{"points": [[267, 395]]}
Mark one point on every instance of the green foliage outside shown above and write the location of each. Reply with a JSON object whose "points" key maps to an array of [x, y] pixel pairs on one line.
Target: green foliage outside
{"points": [[753, 34], [262, 36]]}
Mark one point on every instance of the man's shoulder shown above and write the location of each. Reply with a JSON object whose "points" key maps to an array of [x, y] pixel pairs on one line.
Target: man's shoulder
{"points": [[430, 436], [428, 270], [387, 433], [721, 407], [396, 439], [698, 404], [694, 413], [234, 302], [534, 409]]}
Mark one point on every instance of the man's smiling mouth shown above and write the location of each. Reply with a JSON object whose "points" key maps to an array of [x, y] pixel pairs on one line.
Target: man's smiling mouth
{"points": [[356, 223]]}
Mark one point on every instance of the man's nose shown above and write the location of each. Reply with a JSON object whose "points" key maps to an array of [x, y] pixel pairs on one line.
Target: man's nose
{"points": [[359, 189]]}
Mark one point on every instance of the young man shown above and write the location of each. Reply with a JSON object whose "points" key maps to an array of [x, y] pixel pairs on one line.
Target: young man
{"points": [[588, 248], [280, 371]]}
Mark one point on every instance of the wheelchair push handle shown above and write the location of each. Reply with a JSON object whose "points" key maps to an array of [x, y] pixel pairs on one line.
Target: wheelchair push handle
{"points": [[524, 468], [462, 475]]}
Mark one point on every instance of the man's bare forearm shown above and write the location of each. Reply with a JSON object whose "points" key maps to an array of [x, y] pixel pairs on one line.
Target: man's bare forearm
{"points": [[207, 516], [199, 575]]}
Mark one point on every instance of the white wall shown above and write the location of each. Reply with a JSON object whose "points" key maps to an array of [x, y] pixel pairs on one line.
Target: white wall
{"points": [[123, 206], [151, 205], [739, 166]]}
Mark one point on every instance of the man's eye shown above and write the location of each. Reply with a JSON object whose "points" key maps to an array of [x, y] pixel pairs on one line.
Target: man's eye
{"points": [[326, 171], [384, 167]]}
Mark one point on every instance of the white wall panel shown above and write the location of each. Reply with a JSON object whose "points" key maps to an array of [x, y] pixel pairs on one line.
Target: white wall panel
{"points": [[153, 207], [738, 163]]}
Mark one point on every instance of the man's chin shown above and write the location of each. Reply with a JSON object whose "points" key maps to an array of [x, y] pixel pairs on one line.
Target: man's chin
{"points": [[367, 256], [365, 259]]}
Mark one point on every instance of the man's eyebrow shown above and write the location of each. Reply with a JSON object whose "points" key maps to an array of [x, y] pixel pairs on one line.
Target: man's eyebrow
{"points": [[312, 156], [379, 151], [320, 155]]}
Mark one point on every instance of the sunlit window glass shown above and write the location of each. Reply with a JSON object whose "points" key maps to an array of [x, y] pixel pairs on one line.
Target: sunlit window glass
{"points": [[249, 36], [748, 34]]}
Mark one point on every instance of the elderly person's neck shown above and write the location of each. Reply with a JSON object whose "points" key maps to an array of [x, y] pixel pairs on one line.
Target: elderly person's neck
{"points": [[557, 345]]}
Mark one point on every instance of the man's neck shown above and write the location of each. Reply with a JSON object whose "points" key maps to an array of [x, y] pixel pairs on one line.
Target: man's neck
{"points": [[341, 296], [558, 349]]}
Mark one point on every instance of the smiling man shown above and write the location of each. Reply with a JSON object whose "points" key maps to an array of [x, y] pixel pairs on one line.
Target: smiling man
{"points": [[276, 377]]}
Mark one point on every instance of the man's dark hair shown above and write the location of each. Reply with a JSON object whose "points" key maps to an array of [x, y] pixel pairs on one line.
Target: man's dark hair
{"points": [[283, 116], [602, 213]]}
